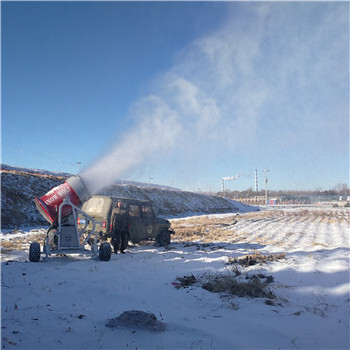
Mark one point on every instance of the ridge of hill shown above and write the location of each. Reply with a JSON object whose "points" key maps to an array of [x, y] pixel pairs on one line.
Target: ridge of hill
{"points": [[63, 175], [19, 187]]}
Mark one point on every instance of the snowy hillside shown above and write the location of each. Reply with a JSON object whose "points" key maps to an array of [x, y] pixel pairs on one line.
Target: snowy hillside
{"points": [[19, 187]]}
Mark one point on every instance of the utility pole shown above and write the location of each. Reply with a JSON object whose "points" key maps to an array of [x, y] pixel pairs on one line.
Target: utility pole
{"points": [[266, 171], [79, 163]]}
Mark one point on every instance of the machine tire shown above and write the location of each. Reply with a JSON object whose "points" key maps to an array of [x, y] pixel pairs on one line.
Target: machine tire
{"points": [[34, 252], [105, 251], [163, 239]]}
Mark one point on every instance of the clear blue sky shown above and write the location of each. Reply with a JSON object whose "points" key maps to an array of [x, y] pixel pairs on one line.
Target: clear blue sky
{"points": [[185, 93]]}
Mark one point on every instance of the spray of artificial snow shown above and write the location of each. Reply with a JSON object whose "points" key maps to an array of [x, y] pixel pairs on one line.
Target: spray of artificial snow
{"points": [[212, 100], [190, 111]]}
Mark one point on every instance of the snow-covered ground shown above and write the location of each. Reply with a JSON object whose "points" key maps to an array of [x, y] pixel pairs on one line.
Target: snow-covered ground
{"points": [[64, 302]]}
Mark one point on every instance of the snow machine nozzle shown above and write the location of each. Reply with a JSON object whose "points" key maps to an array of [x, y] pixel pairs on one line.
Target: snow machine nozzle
{"points": [[73, 188]]}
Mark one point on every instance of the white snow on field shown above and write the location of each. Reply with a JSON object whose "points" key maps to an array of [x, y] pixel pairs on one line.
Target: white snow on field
{"points": [[64, 302]]}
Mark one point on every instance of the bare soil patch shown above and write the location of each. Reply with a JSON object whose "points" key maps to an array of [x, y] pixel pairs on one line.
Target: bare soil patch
{"points": [[256, 258], [252, 286], [136, 319]]}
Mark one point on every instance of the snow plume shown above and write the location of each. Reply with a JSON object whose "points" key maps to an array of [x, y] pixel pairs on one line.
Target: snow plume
{"points": [[230, 91], [154, 133], [195, 108]]}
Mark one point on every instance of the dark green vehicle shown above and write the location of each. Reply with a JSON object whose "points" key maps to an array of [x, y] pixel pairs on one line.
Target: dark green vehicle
{"points": [[143, 226]]}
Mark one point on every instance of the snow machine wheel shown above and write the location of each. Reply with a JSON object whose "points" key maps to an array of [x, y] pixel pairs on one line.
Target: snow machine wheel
{"points": [[34, 252], [105, 251], [163, 238]]}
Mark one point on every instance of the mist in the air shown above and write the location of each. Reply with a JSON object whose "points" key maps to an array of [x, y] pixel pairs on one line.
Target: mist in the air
{"points": [[223, 89]]}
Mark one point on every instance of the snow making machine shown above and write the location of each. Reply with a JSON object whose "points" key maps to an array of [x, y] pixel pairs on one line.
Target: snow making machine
{"points": [[61, 208]]}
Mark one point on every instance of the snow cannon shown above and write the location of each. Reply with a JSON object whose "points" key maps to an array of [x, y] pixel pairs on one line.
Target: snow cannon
{"points": [[49, 204], [61, 207]]}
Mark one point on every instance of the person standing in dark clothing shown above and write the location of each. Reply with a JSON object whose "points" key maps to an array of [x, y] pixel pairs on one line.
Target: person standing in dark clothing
{"points": [[120, 228]]}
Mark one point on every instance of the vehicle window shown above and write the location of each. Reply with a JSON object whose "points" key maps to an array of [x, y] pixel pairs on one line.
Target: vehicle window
{"points": [[147, 211], [95, 205], [134, 210]]}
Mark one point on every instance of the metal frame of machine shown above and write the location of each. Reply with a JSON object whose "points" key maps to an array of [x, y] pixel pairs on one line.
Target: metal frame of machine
{"points": [[69, 238]]}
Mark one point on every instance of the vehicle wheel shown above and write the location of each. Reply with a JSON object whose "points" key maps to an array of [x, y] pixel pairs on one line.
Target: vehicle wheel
{"points": [[163, 238], [34, 252], [105, 251]]}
